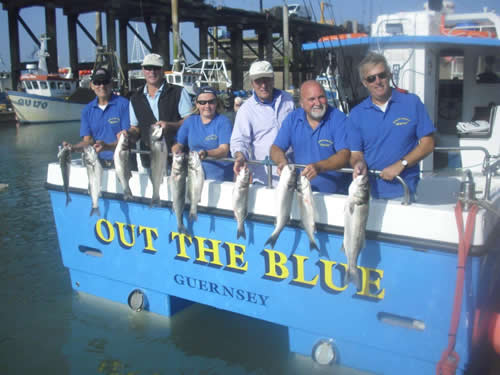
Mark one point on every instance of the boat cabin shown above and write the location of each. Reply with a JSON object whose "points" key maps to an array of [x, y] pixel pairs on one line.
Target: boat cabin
{"points": [[451, 61]]}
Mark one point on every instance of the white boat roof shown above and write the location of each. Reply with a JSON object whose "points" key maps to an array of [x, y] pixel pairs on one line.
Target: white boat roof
{"points": [[438, 41]]}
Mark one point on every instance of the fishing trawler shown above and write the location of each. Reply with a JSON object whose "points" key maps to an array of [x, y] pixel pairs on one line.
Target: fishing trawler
{"points": [[398, 321], [45, 95]]}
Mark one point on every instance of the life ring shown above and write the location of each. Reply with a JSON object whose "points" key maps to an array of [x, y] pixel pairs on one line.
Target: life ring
{"points": [[465, 32], [342, 36]]}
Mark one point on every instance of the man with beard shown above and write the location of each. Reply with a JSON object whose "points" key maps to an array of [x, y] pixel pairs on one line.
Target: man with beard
{"points": [[316, 132], [389, 131], [258, 121]]}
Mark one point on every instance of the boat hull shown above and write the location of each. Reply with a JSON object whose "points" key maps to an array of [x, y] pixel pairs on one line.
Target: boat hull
{"points": [[397, 323], [32, 108]]}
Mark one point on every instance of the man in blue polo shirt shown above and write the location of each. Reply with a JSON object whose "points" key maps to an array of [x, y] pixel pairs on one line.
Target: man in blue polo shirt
{"points": [[389, 131], [103, 118], [316, 133]]}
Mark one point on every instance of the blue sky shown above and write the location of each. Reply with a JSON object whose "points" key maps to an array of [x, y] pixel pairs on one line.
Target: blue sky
{"points": [[362, 10]]}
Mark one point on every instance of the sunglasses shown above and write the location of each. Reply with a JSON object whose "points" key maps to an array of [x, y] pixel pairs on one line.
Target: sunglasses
{"points": [[151, 67], [203, 102], [101, 82], [372, 78]]}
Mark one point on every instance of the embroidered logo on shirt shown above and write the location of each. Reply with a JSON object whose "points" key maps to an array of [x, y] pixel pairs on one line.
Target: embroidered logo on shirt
{"points": [[401, 121], [114, 120], [325, 143], [211, 137]]}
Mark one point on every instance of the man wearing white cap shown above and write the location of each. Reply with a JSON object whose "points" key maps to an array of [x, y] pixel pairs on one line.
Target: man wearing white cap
{"points": [[157, 103], [258, 121]]}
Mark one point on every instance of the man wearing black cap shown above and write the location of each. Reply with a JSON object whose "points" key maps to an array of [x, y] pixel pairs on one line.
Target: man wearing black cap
{"points": [[157, 103], [103, 118]]}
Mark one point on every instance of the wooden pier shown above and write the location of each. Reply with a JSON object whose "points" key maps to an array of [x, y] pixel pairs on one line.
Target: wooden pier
{"points": [[157, 17]]}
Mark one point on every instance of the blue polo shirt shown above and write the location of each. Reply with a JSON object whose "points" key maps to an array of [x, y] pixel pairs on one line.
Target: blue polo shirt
{"points": [[104, 125], [310, 146], [386, 137], [198, 136]]}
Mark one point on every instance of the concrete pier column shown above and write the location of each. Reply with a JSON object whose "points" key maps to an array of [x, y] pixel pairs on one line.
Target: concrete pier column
{"points": [[122, 32], [237, 53], [297, 59], [15, 57], [162, 36], [110, 30], [73, 44], [203, 36], [269, 45], [51, 31], [261, 43]]}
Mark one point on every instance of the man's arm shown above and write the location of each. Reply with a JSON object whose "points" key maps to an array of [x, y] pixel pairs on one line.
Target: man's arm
{"points": [[336, 161], [424, 148], [358, 164], [278, 156], [78, 147], [219, 152]]}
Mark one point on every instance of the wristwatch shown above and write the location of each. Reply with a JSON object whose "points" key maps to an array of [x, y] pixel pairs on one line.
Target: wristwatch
{"points": [[404, 162]]}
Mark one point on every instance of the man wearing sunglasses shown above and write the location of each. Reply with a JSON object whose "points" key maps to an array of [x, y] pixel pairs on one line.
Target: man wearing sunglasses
{"points": [[389, 131], [103, 118], [258, 120], [157, 103]]}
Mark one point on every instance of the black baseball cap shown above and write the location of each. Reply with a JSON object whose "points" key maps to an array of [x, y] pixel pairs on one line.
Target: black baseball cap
{"points": [[101, 75]]}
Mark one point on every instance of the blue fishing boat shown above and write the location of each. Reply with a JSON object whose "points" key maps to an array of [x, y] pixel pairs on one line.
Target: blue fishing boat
{"points": [[428, 271]]}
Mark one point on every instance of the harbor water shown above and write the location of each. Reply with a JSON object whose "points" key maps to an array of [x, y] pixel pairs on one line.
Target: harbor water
{"points": [[48, 328]]}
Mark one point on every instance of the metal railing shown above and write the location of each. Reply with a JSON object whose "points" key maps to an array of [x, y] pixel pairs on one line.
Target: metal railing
{"points": [[488, 168]]}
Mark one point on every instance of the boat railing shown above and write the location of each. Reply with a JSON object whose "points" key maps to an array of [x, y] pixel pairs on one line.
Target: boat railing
{"points": [[488, 168], [268, 163]]}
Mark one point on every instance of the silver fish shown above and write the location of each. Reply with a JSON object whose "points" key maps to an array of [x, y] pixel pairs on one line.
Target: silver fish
{"points": [[284, 199], [306, 204], [240, 200], [122, 166], [64, 157], [178, 188], [94, 174], [195, 181], [159, 154], [355, 217]]}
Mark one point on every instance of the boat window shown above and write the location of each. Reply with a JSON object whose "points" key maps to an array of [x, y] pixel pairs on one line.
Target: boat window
{"points": [[60, 85], [488, 69], [35, 85], [27, 84], [43, 85], [394, 28], [178, 79], [67, 86], [52, 85]]}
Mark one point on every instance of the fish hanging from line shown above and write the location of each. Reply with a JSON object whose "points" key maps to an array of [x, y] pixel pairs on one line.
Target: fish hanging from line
{"points": [[240, 200], [159, 154], [355, 218], [305, 200], [64, 156], [122, 165], [94, 174], [195, 181], [284, 199]]}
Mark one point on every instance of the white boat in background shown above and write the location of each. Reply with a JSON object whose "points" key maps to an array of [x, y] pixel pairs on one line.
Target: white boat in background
{"points": [[46, 96], [206, 72]]}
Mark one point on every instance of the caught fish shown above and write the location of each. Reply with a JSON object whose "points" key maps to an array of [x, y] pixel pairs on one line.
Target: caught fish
{"points": [[159, 154], [355, 218], [284, 199], [240, 200], [306, 204], [64, 157], [94, 174], [178, 188], [122, 166], [195, 181]]}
